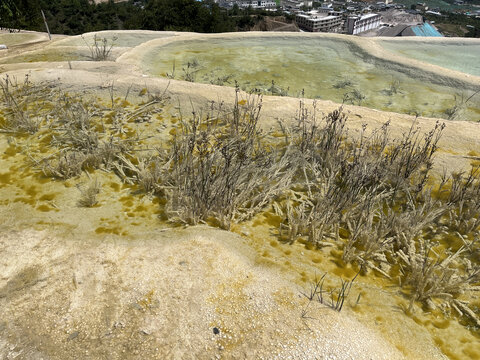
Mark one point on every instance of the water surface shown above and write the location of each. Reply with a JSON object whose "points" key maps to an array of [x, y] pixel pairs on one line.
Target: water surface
{"points": [[78, 48], [460, 57], [123, 39], [322, 68]]}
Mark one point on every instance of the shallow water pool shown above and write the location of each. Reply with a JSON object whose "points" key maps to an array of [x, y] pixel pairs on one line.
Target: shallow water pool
{"points": [[123, 39], [460, 57], [323, 68], [77, 48], [50, 55]]}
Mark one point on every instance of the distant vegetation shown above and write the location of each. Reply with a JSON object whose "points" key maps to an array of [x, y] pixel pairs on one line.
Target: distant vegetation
{"points": [[80, 16], [452, 24], [442, 5]]}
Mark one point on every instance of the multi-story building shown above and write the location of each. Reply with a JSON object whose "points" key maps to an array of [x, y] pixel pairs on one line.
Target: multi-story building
{"points": [[358, 24], [296, 4], [314, 21], [267, 4], [324, 9], [254, 4]]}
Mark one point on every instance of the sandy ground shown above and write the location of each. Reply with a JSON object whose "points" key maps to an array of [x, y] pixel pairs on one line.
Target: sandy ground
{"points": [[164, 294], [161, 297]]}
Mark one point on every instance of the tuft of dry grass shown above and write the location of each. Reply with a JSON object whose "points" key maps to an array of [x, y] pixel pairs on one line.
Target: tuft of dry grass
{"points": [[147, 173], [63, 166], [101, 48], [220, 166], [370, 197], [89, 194], [427, 276], [22, 104], [334, 297]]}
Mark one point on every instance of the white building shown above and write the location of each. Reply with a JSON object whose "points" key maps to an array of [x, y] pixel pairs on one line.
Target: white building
{"points": [[314, 21], [256, 4], [296, 4], [324, 9], [267, 4], [358, 24]]}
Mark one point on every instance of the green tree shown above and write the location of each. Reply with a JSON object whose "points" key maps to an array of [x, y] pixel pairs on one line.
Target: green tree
{"points": [[185, 15], [19, 13], [235, 10], [8, 13]]}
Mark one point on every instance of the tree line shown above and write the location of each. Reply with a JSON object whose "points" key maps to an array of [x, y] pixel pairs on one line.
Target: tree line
{"points": [[73, 17]]}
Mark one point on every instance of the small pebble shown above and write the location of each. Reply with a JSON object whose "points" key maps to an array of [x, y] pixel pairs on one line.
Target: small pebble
{"points": [[73, 335], [216, 331]]}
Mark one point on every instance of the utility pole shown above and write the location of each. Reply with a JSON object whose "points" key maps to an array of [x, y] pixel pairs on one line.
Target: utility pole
{"points": [[46, 25]]}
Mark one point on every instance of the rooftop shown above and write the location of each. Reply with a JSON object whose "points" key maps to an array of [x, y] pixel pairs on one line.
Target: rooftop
{"points": [[317, 16], [367, 16]]}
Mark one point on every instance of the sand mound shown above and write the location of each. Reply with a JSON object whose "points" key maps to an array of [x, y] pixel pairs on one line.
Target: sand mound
{"points": [[162, 297]]}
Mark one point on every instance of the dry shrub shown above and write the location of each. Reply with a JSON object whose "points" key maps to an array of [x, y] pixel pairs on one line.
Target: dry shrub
{"points": [[22, 103], [64, 166], [351, 179], [101, 48], [221, 167], [427, 276], [147, 173], [89, 194], [77, 132], [369, 196]]}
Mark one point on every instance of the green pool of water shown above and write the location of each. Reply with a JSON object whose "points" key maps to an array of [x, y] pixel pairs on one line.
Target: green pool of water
{"points": [[50, 55], [459, 56], [124, 39], [76, 48], [320, 67]]}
